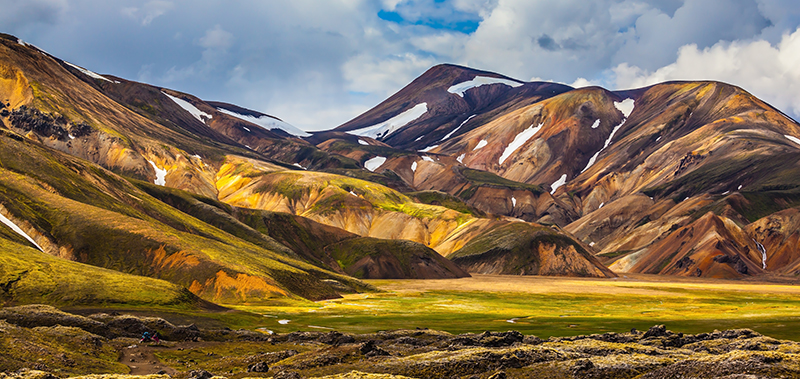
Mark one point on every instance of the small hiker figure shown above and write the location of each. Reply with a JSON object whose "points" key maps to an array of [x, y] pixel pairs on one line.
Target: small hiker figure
{"points": [[150, 337]]}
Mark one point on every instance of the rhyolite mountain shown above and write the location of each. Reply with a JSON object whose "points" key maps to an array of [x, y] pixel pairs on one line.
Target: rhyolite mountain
{"points": [[205, 201], [680, 178]]}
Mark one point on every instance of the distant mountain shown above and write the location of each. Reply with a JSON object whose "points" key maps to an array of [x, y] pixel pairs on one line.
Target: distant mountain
{"points": [[621, 170]]}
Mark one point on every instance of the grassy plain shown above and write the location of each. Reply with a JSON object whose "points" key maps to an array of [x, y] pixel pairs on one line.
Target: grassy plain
{"points": [[549, 306]]}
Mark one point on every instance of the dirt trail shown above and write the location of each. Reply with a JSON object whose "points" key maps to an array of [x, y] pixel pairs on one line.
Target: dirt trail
{"points": [[142, 360]]}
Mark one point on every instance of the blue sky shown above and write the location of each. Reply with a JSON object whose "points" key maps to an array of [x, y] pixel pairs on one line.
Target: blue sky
{"points": [[317, 64]]}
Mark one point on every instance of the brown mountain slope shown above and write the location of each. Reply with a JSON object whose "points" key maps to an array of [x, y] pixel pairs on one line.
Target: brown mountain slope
{"points": [[446, 111]]}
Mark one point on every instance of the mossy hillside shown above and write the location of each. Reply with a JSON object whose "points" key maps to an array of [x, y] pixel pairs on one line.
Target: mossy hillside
{"points": [[29, 276], [507, 237], [478, 178], [295, 185], [121, 222], [348, 252], [305, 237], [445, 200]]}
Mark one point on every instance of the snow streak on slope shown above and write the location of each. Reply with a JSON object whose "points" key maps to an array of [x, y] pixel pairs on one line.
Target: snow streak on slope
{"points": [[90, 73], [793, 139], [763, 251], [373, 163], [187, 106], [18, 230], [596, 124], [478, 81], [389, 126], [460, 158], [362, 142], [520, 140], [456, 129], [558, 183], [480, 144], [427, 159], [429, 148], [267, 122], [414, 167], [161, 175], [626, 107]]}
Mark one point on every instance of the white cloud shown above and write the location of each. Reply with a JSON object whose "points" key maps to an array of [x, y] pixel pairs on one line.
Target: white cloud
{"points": [[149, 11], [765, 70], [384, 75], [216, 38]]}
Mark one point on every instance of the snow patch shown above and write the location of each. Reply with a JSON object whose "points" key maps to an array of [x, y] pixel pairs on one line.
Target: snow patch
{"points": [[267, 122], [480, 144], [601, 205], [456, 129], [478, 81], [513, 201], [427, 158], [362, 142], [19, 231], [520, 140], [558, 183], [512, 321], [460, 158], [353, 193], [793, 139], [391, 125], [427, 149], [658, 139], [738, 188], [245, 128], [372, 164], [161, 174], [414, 167], [625, 106], [248, 146], [419, 138], [21, 42], [90, 73], [284, 322], [187, 106], [70, 136], [591, 244], [298, 165], [596, 124]]}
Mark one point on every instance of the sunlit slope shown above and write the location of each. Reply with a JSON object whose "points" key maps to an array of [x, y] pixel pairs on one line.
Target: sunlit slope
{"points": [[29, 276], [82, 212], [325, 246], [355, 205]]}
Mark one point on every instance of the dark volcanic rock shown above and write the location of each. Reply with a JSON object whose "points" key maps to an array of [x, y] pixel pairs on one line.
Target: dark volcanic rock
{"points": [[258, 367]]}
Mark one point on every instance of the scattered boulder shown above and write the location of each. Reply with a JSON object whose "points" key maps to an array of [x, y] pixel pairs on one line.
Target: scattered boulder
{"points": [[258, 367], [200, 374], [371, 349], [285, 374]]}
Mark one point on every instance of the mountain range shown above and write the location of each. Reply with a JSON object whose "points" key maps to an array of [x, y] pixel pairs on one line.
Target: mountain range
{"points": [[462, 171]]}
